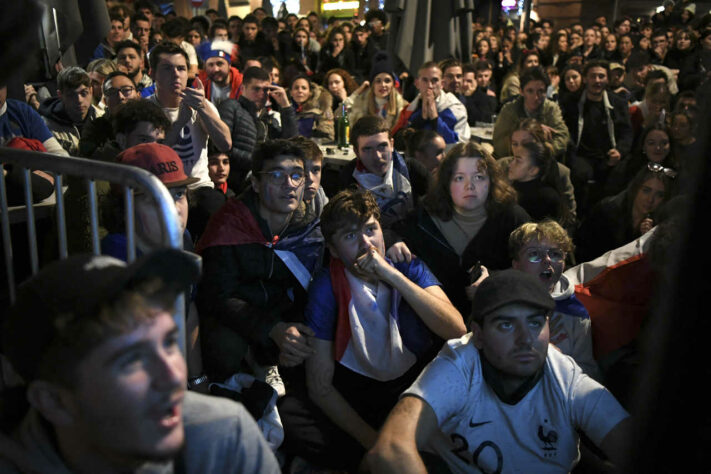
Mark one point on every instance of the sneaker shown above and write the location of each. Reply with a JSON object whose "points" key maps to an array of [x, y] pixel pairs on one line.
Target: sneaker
{"points": [[273, 378]]}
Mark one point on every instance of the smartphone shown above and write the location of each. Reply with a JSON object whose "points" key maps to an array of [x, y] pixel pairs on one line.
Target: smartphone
{"points": [[474, 272]]}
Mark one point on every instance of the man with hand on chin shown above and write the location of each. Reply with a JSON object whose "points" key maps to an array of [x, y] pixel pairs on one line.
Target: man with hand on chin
{"points": [[194, 119], [374, 326], [251, 120], [499, 399]]}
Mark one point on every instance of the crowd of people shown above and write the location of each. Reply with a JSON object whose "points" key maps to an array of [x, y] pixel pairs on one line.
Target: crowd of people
{"points": [[411, 308]]}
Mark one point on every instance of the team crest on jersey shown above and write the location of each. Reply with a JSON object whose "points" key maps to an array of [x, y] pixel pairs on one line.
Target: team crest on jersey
{"points": [[549, 439]]}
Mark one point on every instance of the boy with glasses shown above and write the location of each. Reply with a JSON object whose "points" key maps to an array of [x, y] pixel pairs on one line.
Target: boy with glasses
{"points": [[540, 249], [259, 252]]}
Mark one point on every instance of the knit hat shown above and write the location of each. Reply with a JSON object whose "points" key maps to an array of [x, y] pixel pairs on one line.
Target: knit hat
{"points": [[216, 49], [508, 287], [161, 160], [381, 63], [691, 7]]}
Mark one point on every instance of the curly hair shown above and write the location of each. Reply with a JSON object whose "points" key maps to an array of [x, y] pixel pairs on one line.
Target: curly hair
{"points": [[139, 110], [439, 200], [348, 208], [348, 81], [547, 229]]}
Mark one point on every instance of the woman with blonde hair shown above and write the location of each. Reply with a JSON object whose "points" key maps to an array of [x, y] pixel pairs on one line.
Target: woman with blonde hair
{"points": [[379, 96]]}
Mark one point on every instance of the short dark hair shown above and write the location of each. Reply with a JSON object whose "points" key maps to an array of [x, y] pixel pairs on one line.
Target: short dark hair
{"points": [[139, 17], [111, 75], [250, 19], [596, 63], [534, 74], [483, 65], [116, 17], [448, 63], [177, 27], [270, 21], [252, 73], [270, 150], [139, 110], [128, 44], [216, 26], [167, 48], [659, 32], [72, 77], [346, 208], [311, 150], [367, 126]]}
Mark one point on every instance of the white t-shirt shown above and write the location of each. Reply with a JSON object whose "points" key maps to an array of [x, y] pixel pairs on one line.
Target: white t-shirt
{"points": [[192, 54], [480, 433], [191, 145]]}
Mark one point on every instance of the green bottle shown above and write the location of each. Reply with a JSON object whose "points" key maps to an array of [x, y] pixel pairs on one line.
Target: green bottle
{"points": [[343, 129]]}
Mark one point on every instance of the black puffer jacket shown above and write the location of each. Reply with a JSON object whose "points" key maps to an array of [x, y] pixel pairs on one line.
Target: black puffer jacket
{"points": [[489, 246], [248, 130]]}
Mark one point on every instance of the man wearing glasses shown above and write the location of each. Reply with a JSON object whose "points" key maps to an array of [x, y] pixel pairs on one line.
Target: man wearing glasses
{"points": [[540, 249], [118, 89], [259, 252]]}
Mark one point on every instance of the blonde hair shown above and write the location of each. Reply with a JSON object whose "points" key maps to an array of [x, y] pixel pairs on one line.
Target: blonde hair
{"points": [[545, 230]]}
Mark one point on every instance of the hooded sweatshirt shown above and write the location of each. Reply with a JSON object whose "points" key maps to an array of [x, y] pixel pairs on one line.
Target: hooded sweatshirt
{"points": [[570, 327], [66, 131]]}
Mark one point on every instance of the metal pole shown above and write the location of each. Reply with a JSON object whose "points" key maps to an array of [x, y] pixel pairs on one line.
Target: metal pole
{"points": [[6, 239], [526, 15], [61, 218]]}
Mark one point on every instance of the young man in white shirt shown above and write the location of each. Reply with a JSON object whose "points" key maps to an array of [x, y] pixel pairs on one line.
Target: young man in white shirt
{"points": [[498, 399]]}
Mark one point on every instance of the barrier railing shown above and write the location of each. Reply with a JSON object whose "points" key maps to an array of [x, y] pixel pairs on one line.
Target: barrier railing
{"points": [[130, 178]]}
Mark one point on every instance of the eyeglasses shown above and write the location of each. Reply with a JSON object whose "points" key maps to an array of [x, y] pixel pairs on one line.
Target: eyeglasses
{"points": [[536, 255], [125, 91], [279, 177], [657, 168]]}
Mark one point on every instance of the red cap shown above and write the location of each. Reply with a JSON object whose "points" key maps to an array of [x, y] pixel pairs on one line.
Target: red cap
{"points": [[161, 160]]}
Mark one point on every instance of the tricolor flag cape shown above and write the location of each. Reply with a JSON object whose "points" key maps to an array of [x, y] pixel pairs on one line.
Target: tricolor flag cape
{"points": [[616, 289]]}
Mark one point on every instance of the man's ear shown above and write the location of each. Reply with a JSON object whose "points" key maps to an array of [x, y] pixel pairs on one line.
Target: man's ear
{"points": [[151, 73], [59, 93], [255, 183], [515, 264], [477, 334], [53, 402]]}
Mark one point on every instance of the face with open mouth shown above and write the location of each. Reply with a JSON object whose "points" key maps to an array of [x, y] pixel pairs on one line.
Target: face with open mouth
{"points": [[128, 400], [542, 259]]}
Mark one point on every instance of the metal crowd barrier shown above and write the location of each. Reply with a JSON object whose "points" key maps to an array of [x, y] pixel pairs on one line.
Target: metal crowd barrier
{"points": [[130, 178]]}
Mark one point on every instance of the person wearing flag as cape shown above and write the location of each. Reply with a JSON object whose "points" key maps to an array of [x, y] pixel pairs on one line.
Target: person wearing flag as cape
{"points": [[375, 325], [259, 252]]}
